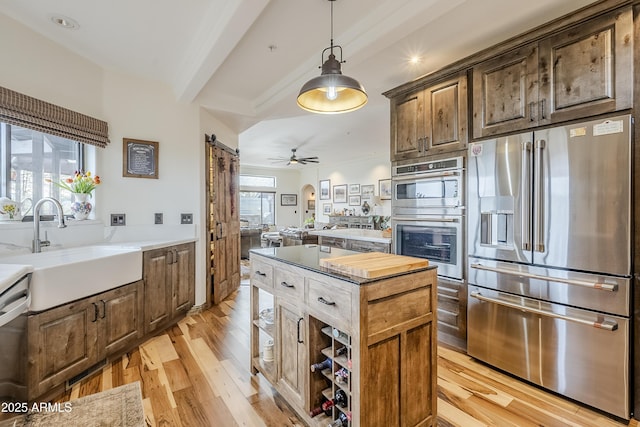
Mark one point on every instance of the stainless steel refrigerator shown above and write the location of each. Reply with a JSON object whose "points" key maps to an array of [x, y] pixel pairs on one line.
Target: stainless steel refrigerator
{"points": [[549, 268]]}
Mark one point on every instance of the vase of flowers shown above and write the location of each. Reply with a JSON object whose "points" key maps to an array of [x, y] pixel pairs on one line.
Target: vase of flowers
{"points": [[81, 185]]}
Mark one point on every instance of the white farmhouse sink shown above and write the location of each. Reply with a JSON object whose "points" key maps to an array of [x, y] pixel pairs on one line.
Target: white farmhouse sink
{"points": [[66, 275]]}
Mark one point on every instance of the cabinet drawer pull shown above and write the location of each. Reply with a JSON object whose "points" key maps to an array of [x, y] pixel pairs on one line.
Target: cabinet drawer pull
{"points": [[324, 301], [299, 340], [95, 312], [286, 285], [260, 273], [104, 309]]}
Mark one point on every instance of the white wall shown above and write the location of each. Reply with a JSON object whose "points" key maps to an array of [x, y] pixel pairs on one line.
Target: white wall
{"points": [[134, 108], [287, 182], [357, 171]]}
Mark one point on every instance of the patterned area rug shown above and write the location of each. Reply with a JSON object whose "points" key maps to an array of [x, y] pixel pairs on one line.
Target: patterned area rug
{"points": [[118, 407]]}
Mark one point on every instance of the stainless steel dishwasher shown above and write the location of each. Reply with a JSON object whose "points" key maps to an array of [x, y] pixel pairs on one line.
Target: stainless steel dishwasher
{"points": [[14, 304]]}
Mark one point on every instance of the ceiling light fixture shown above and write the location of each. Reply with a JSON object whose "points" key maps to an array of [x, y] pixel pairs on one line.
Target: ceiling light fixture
{"points": [[332, 92]]}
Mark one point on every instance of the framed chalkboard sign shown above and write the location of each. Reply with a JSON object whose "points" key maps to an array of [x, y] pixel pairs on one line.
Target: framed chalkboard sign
{"points": [[139, 158]]}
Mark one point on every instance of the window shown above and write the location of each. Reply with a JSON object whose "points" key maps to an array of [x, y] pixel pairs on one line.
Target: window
{"points": [[257, 181], [258, 207], [29, 158]]}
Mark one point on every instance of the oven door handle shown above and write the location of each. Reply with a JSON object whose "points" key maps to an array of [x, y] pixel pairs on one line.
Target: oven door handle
{"points": [[604, 324], [426, 175], [425, 219], [591, 285]]}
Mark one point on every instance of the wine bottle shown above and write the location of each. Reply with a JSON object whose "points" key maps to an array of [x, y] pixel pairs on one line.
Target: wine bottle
{"points": [[340, 335], [325, 407], [341, 398], [342, 350], [342, 421], [325, 364], [342, 376]]}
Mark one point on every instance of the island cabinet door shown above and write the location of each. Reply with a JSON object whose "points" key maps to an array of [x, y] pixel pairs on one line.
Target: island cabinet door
{"points": [[398, 354], [292, 349]]}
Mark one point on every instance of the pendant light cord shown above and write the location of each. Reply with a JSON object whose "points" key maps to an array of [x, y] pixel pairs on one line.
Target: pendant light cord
{"points": [[331, 1]]}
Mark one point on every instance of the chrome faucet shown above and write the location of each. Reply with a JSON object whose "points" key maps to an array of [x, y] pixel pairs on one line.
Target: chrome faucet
{"points": [[37, 243]]}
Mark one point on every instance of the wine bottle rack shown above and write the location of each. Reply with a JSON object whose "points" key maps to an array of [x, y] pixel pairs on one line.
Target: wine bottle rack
{"points": [[336, 345]]}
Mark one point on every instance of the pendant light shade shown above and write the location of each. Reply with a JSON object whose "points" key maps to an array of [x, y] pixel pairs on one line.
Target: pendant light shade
{"points": [[332, 92]]}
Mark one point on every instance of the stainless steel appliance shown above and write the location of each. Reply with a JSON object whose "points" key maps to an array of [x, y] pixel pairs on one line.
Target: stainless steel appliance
{"points": [[427, 213], [549, 268], [14, 303]]}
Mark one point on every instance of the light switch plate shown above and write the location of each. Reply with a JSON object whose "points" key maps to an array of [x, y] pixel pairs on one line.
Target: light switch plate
{"points": [[186, 218], [157, 218]]}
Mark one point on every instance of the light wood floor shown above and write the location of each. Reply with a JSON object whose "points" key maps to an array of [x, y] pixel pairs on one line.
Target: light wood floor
{"points": [[197, 374]]}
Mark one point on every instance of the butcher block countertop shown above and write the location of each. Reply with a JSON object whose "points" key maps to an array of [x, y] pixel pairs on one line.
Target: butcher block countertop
{"points": [[356, 267]]}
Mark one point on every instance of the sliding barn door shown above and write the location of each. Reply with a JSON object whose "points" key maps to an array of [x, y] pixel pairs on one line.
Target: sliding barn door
{"points": [[223, 233]]}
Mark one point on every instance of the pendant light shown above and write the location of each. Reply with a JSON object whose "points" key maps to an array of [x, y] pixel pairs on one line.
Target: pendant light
{"points": [[332, 92]]}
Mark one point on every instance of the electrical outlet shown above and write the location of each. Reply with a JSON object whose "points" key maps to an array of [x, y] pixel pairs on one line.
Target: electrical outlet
{"points": [[186, 218], [157, 218], [118, 219]]}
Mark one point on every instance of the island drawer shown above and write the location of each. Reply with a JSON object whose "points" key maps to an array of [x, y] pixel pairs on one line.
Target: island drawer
{"points": [[329, 301], [261, 274], [289, 284]]}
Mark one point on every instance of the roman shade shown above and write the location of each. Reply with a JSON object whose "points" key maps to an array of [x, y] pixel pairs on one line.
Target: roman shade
{"points": [[22, 110]]}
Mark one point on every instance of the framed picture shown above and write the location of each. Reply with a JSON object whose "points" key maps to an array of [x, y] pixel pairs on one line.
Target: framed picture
{"points": [[385, 189], [325, 189], [139, 158], [354, 200], [354, 188], [340, 193], [288, 199], [368, 191], [326, 208], [311, 205]]}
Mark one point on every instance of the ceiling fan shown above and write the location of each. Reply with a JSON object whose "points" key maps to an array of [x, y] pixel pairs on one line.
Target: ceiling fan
{"points": [[294, 160]]}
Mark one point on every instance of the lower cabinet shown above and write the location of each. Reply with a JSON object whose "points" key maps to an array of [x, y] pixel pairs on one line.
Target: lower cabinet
{"points": [[452, 313], [355, 244], [292, 349], [67, 340], [169, 284], [364, 353]]}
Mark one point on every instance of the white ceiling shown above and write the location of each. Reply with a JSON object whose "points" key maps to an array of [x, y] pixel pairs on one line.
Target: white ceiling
{"points": [[245, 60]]}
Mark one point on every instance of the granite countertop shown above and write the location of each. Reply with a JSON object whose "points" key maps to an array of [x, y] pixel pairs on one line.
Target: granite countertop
{"points": [[354, 234], [309, 256]]}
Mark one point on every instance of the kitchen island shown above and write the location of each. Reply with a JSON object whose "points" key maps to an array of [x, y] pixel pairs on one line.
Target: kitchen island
{"points": [[339, 345]]}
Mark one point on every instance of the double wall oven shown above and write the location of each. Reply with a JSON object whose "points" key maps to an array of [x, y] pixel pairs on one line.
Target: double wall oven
{"points": [[428, 213]]}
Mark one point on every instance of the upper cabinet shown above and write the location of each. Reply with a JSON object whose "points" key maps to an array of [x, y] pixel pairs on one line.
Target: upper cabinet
{"points": [[579, 72], [430, 120]]}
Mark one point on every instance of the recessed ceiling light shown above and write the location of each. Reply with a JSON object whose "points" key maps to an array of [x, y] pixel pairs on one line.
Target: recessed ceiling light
{"points": [[415, 60], [65, 22]]}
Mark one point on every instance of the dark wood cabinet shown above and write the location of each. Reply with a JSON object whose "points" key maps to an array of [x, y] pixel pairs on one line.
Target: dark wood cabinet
{"points": [[169, 284], [579, 72], [67, 340], [430, 120], [452, 312]]}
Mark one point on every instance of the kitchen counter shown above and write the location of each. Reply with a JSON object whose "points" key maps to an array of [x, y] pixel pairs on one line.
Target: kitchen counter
{"points": [[354, 234], [10, 273], [308, 257]]}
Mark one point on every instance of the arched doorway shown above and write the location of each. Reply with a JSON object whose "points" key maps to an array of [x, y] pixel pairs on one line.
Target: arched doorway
{"points": [[308, 208]]}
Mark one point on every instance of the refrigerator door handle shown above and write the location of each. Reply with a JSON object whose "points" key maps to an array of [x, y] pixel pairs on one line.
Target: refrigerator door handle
{"points": [[526, 196], [598, 286], [538, 238], [607, 325]]}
